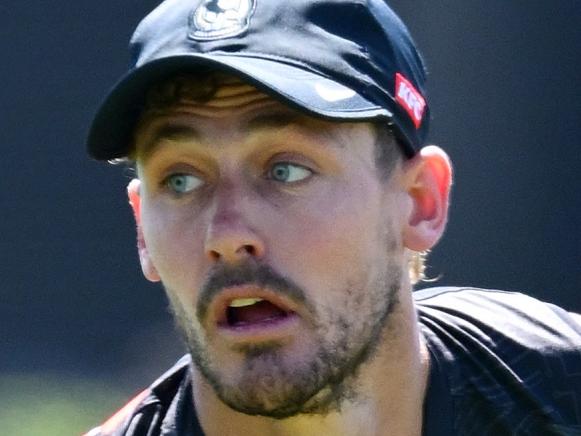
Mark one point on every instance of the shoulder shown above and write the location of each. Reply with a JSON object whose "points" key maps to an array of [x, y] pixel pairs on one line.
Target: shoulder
{"points": [[513, 315], [150, 403], [506, 355]]}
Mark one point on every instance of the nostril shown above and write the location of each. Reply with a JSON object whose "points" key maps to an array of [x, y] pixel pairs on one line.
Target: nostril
{"points": [[248, 249], [242, 251]]}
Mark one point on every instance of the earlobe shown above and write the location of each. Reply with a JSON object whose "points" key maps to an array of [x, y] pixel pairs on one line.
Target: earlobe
{"points": [[147, 266], [428, 178]]}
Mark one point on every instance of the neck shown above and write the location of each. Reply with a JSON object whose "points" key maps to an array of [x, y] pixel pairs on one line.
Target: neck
{"points": [[390, 390]]}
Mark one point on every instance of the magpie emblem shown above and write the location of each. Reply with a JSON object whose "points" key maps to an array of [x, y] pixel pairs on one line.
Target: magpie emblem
{"points": [[216, 19]]}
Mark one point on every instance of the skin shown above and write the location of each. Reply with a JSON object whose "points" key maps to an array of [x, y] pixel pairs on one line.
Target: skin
{"points": [[244, 183]]}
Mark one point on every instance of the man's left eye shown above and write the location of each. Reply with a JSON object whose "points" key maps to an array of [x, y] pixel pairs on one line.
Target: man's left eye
{"points": [[286, 172]]}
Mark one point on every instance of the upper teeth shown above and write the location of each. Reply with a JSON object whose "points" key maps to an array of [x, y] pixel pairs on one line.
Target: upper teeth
{"points": [[242, 302]]}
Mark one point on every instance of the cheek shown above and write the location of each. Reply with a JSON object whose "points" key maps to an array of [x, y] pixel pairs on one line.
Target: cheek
{"points": [[337, 237], [174, 246]]}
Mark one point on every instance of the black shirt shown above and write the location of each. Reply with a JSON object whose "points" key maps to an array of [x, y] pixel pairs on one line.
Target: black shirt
{"points": [[502, 363]]}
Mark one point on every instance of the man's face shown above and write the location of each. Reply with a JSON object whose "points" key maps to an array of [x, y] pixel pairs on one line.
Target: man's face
{"points": [[278, 243]]}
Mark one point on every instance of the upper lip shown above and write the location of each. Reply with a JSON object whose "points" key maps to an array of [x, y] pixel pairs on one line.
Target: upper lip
{"points": [[218, 307]]}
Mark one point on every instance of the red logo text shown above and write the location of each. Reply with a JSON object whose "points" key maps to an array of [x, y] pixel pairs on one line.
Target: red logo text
{"points": [[410, 99]]}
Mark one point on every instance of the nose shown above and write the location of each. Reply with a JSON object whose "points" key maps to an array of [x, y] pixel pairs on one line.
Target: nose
{"points": [[230, 241], [231, 236]]}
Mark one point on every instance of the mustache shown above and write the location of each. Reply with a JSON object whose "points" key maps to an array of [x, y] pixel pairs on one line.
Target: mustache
{"points": [[262, 276]]}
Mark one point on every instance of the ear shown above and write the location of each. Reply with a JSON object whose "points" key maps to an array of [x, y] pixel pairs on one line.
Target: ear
{"points": [[147, 266], [427, 178]]}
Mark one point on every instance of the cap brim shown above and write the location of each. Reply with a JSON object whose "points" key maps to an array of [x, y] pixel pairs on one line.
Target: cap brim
{"points": [[111, 132]]}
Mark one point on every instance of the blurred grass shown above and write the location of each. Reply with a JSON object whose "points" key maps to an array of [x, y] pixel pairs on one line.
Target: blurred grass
{"points": [[54, 405]]}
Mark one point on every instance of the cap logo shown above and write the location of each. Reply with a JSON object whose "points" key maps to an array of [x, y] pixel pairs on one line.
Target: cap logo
{"points": [[410, 99], [216, 19]]}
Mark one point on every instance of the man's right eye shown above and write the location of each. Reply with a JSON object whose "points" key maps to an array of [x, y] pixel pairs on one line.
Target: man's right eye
{"points": [[182, 183]]}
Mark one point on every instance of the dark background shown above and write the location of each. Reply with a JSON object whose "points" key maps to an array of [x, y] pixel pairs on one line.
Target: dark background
{"points": [[505, 93]]}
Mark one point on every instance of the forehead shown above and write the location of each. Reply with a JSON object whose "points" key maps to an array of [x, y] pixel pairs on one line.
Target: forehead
{"points": [[213, 89], [190, 108]]}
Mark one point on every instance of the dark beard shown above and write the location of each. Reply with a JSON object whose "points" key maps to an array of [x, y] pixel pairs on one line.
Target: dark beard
{"points": [[272, 388]]}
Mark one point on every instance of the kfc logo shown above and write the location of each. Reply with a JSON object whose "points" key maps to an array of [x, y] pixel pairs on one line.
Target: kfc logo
{"points": [[410, 99]]}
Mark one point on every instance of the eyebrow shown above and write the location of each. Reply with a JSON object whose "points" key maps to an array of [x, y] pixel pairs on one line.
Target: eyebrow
{"points": [[180, 131], [173, 131]]}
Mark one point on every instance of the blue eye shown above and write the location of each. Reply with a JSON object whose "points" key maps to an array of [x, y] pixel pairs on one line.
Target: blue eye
{"points": [[182, 183], [286, 172]]}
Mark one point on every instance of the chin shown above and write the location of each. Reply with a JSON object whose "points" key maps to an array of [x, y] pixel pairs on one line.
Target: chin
{"points": [[278, 381]]}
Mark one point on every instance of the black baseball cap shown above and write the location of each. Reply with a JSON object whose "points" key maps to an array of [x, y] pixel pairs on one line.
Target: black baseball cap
{"points": [[343, 60]]}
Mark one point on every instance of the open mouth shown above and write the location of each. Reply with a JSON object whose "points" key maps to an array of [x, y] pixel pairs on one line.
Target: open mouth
{"points": [[258, 312], [242, 312]]}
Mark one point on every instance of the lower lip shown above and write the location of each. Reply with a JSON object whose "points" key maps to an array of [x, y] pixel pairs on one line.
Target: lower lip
{"points": [[267, 330]]}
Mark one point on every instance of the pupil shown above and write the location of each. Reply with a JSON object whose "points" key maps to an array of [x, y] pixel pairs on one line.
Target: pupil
{"points": [[281, 173], [178, 182]]}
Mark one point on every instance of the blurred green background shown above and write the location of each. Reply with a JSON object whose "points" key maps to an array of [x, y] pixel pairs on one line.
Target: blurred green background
{"points": [[53, 405]]}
